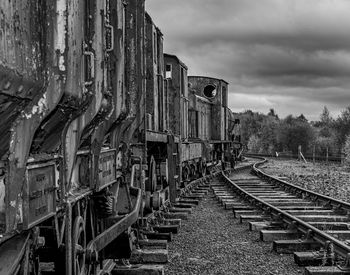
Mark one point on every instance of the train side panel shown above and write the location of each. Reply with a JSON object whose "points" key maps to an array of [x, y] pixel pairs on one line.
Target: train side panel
{"points": [[32, 79]]}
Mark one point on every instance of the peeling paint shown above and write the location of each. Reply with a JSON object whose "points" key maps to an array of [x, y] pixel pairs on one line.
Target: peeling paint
{"points": [[60, 43], [2, 201], [37, 109], [61, 65], [13, 204]]}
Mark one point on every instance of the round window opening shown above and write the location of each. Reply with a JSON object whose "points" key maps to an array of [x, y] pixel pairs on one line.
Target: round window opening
{"points": [[210, 91]]}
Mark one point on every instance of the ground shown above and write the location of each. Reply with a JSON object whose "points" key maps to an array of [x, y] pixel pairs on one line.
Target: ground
{"points": [[211, 241]]}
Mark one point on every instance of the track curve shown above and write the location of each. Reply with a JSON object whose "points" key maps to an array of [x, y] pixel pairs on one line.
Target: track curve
{"points": [[295, 219]]}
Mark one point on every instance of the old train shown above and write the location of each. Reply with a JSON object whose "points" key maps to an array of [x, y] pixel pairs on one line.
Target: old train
{"points": [[98, 128]]}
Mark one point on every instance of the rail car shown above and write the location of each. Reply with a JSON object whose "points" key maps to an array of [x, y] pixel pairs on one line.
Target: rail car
{"points": [[98, 128]]}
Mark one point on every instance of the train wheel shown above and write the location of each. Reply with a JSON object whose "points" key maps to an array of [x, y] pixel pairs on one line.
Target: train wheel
{"points": [[200, 169], [156, 201], [204, 168], [185, 173], [151, 184], [148, 202], [193, 172], [79, 246]]}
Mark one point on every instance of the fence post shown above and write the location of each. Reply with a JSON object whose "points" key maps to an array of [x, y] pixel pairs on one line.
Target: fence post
{"points": [[299, 153], [327, 155], [313, 154]]}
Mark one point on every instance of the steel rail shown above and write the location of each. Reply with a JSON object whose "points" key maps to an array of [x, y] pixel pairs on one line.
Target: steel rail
{"points": [[316, 197], [339, 247]]}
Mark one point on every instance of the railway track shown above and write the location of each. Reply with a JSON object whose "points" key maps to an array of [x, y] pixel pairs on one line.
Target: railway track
{"points": [[313, 227], [159, 227]]}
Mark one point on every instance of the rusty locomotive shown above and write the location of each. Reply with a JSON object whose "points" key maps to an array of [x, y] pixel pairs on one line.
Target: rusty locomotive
{"points": [[98, 127]]}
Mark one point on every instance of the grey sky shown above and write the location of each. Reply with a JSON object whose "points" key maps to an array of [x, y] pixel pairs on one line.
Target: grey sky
{"points": [[290, 55]]}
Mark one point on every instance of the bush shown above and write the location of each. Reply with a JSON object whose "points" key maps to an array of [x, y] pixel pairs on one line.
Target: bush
{"points": [[347, 150], [254, 144]]}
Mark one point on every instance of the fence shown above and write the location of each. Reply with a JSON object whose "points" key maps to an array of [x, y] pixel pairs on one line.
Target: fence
{"points": [[311, 158]]}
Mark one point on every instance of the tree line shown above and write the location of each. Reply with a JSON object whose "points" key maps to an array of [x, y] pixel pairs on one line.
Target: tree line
{"points": [[268, 134]]}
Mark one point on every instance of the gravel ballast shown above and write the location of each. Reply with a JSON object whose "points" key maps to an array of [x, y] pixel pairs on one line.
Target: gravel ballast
{"points": [[328, 179], [211, 241]]}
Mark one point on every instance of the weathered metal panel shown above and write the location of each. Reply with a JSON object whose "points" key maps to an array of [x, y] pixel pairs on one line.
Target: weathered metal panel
{"points": [[218, 119], [39, 203], [160, 78], [117, 60], [20, 45], [99, 107], [195, 150], [177, 96], [134, 71], [154, 74], [28, 60], [116, 93], [107, 168], [79, 64], [223, 123], [33, 75], [151, 88], [156, 93], [156, 137], [2, 205], [190, 151], [204, 118], [198, 83], [185, 152], [216, 122]]}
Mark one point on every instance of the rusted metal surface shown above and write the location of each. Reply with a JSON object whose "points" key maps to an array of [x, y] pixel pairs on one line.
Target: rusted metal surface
{"points": [[191, 151], [215, 91], [78, 82], [203, 109], [177, 96], [107, 169], [134, 68], [99, 107], [32, 80], [39, 200]]}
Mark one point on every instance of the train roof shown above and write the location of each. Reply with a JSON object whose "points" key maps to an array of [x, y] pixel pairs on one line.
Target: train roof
{"points": [[175, 57], [209, 77]]}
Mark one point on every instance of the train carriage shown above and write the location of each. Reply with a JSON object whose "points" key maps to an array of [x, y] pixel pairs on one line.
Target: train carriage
{"points": [[64, 180], [99, 127]]}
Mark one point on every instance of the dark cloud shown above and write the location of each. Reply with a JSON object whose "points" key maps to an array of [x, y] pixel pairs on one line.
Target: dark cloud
{"points": [[272, 52]]}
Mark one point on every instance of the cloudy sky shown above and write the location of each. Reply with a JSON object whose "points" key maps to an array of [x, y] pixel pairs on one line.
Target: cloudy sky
{"points": [[290, 55]]}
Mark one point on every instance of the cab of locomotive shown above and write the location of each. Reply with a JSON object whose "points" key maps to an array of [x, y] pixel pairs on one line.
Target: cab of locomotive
{"points": [[210, 115]]}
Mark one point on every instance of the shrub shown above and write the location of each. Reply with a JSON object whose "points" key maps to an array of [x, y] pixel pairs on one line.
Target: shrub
{"points": [[347, 150]]}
